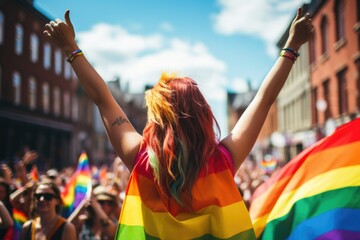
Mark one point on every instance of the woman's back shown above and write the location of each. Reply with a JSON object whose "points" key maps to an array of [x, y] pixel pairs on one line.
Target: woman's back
{"points": [[218, 210]]}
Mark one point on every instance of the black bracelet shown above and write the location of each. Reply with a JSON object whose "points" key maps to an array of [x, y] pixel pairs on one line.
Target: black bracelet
{"points": [[296, 54]]}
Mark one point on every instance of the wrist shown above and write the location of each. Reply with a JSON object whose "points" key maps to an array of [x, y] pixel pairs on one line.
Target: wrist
{"points": [[69, 49], [292, 45]]}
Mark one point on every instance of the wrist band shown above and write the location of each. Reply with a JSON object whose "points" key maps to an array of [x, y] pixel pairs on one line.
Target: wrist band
{"points": [[296, 54], [288, 55], [73, 55]]}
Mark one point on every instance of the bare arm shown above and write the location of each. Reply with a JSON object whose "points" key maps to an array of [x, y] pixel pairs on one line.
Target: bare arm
{"points": [[69, 232], [243, 136], [123, 136], [5, 217]]}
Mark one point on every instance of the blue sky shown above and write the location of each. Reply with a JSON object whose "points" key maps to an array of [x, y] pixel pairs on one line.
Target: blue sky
{"points": [[221, 44]]}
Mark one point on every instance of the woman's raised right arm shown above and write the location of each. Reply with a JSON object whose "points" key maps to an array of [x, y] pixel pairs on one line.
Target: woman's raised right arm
{"points": [[123, 136]]}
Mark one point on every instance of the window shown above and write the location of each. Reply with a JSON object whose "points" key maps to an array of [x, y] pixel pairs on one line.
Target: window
{"points": [[358, 10], [47, 56], [32, 93], [68, 70], [16, 83], [75, 109], [57, 101], [66, 104], [342, 92], [324, 35], [19, 35], [326, 98], [2, 26], [312, 48], [314, 108], [46, 97], [34, 48], [58, 61], [340, 19]]}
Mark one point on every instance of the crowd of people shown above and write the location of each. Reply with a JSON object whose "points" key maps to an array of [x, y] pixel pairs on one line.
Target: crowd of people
{"points": [[38, 198], [31, 202]]}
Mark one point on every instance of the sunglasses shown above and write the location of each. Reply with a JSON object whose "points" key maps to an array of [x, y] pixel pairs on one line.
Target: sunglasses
{"points": [[105, 202], [44, 196]]}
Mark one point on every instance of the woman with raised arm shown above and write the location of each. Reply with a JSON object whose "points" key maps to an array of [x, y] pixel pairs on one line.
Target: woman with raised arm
{"points": [[182, 184]]}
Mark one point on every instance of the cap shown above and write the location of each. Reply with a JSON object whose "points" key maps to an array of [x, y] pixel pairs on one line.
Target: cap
{"points": [[101, 193], [52, 173]]}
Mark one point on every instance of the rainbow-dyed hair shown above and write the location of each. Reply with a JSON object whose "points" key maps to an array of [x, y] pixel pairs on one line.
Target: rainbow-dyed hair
{"points": [[179, 134]]}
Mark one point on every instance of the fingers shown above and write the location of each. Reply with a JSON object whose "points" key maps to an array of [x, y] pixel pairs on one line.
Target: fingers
{"points": [[307, 17], [49, 28], [298, 14], [67, 18]]}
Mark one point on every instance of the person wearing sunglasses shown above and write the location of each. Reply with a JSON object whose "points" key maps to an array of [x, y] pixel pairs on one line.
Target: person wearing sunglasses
{"points": [[46, 222]]}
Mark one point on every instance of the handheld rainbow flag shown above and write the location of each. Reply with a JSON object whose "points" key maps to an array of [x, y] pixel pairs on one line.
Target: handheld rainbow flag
{"points": [[316, 195], [34, 174], [79, 187], [19, 218], [268, 164]]}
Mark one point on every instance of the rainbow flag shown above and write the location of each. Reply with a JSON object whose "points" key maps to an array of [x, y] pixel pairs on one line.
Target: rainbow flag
{"points": [[19, 218], [78, 188], [218, 209], [316, 195], [34, 174], [268, 165]]}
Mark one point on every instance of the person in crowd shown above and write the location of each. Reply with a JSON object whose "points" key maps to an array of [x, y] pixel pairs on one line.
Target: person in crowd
{"points": [[180, 155], [96, 218], [46, 222], [6, 211]]}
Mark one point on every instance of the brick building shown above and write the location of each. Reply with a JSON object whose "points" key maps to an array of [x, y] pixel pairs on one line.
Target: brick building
{"points": [[334, 62], [39, 99]]}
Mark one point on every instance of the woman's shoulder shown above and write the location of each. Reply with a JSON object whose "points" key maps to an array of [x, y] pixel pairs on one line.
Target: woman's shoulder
{"points": [[69, 231], [221, 160]]}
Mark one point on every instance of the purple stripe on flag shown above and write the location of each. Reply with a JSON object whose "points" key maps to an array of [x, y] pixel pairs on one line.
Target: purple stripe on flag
{"points": [[340, 235]]}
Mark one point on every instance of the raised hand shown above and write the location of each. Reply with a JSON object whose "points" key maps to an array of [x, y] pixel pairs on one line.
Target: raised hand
{"points": [[301, 29], [62, 33]]}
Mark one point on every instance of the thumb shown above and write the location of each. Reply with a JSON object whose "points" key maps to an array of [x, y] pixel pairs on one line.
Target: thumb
{"points": [[298, 14], [67, 18]]}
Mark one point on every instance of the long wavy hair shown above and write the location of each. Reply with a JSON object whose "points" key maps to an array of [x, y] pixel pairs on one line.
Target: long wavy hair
{"points": [[179, 135]]}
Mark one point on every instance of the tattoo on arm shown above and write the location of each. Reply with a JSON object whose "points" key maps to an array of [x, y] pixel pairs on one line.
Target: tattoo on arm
{"points": [[120, 120]]}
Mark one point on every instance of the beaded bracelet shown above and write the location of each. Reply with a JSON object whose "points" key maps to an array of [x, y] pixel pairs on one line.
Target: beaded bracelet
{"points": [[296, 54], [288, 55], [73, 55]]}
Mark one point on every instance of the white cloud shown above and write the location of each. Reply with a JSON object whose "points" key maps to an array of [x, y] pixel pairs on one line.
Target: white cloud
{"points": [[264, 19], [239, 85], [167, 27], [140, 60]]}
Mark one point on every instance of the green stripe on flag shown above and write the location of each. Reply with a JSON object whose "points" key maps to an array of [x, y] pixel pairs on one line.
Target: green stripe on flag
{"points": [[306, 208]]}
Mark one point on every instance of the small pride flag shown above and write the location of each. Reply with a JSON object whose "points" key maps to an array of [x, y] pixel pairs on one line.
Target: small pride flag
{"points": [[79, 187], [19, 218], [34, 174], [268, 164], [316, 195]]}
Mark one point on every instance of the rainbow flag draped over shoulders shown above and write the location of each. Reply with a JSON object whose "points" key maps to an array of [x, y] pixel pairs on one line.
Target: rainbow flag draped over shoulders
{"points": [[316, 195], [79, 187], [219, 211]]}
